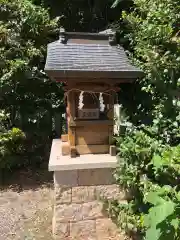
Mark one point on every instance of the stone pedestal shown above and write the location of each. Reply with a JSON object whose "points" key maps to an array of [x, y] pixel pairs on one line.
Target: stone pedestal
{"points": [[78, 210]]}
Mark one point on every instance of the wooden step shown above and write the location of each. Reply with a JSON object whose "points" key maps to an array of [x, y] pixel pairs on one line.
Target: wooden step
{"points": [[65, 148], [64, 137], [92, 149]]}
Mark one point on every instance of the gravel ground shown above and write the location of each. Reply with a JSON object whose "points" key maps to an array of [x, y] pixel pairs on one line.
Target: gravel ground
{"points": [[26, 201]]}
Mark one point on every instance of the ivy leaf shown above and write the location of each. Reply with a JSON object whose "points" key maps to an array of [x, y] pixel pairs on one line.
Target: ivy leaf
{"points": [[157, 162]]}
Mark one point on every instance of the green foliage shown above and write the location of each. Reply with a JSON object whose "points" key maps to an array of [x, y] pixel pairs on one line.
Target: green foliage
{"points": [[26, 92], [162, 221], [149, 171], [149, 157], [27, 95], [83, 15], [170, 158], [11, 148], [150, 33], [166, 166], [135, 152], [123, 215]]}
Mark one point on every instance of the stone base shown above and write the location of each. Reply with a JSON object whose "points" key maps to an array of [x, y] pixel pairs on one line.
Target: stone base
{"points": [[58, 162], [80, 184], [78, 210]]}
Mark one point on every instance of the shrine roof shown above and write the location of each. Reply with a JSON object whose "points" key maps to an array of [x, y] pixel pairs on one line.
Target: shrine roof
{"points": [[87, 54]]}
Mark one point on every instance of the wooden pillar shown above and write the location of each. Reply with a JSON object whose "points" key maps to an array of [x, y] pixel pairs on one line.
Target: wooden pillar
{"points": [[71, 129], [112, 148], [111, 114]]}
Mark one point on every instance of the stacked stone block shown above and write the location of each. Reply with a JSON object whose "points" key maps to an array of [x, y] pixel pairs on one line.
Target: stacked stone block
{"points": [[78, 210]]}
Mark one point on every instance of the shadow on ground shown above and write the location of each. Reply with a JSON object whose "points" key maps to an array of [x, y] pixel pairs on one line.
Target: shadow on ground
{"points": [[25, 179]]}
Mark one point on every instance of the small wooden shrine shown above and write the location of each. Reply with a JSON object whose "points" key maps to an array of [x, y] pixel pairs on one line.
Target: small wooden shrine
{"points": [[92, 67]]}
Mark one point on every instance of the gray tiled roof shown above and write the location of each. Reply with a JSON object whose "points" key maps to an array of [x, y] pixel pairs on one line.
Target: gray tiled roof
{"points": [[99, 60]]}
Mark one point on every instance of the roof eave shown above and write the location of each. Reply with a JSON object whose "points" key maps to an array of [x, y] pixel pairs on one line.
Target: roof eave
{"points": [[69, 74]]}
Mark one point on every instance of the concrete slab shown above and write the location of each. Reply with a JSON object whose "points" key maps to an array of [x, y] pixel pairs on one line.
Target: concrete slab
{"points": [[57, 162]]}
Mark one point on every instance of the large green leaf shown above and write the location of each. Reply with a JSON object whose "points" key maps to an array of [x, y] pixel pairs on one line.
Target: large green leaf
{"points": [[154, 198], [159, 213], [157, 162], [153, 234]]}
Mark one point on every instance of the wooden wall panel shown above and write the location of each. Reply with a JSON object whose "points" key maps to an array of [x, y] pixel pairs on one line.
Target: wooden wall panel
{"points": [[95, 149], [92, 135]]}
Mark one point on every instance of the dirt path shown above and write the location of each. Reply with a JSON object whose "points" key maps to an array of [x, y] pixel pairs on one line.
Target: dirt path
{"points": [[26, 206]]}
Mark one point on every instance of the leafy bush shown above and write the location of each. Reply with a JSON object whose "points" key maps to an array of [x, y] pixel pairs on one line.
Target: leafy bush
{"points": [[162, 220], [11, 144], [149, 157], [150, 33], [149, 171], [136, 151], [11, 148], [27, 95], [167, 166]]}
